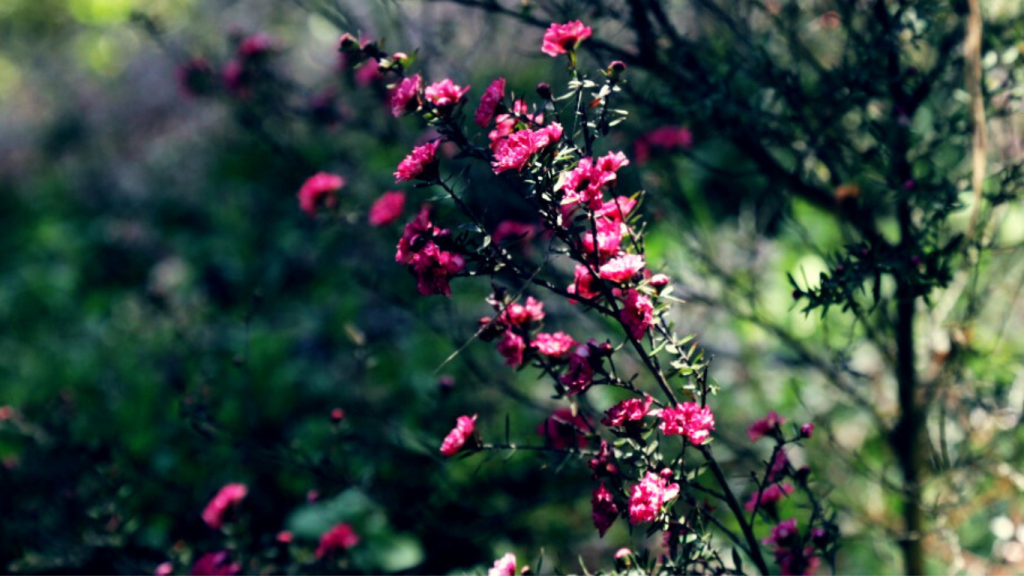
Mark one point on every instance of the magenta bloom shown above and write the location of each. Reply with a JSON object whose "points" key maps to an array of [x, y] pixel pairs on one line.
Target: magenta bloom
{"points": [[779, 466], [445, 94], [783, 534], [504, 566], [659, 281], [561, 38], [456, 439], [216, 564], [255, 46], [580, 374], [164, 569], [583, 285], [511, 347], [584, 183], [616, 209], [604, 509], [807, 430], [688, 419], [489, 102], [387, 208], [510, 229], [622, 269], [764, 426], [433, 267], [609, 239], [637, 313], [514, 152], [771, 495], [555, 345], [319, 189], [603, 463], [228, 497], [649, 496], [516, 314], [405, 97], [339, 538], [420, 163], [631, 410], [666, 138], [563, 430]]}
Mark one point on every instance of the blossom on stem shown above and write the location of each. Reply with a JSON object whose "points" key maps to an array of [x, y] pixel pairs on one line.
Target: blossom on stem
{"points": [[504, 566], [604, 511], [419, 164], [563, 430], [489, 102], [445, 94], [603, 463], [583, 285], [580, 373], [561, 38], [465, 426], [630, 410], [387, 208], [764, 426], [648, 497], [514, 152], [769, 496], [319, 189], [216, 564], [637, 313], [339, 538], [511, 347], [405, 96], [621, 269], [227, 498], [554, 346], [688, 419]]}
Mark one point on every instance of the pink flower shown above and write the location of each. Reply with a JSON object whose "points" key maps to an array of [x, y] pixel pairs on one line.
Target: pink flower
{"points": [[445, 94], [387, 208], [621, 269], [612, 161], [236, 80], [369, 73], [164, 569], [555, 345], [783, 534], [420, 163], [563, 430], [664, 138], [631, 410], [764, 426], [405, 96], [807, 430], [659, 281], [216, 564], [583, 285], [561, 38], [580, 374], [230, 496], [494, 94], [779, 466], [688, 419], [609, 239], [284, 537], [797, 561], [504, 566], [518, 232], [770, 496], [516, 314], [255, 46], [649, 496], [319, 188], [637, 313], [604, 510], [456, 439], [603, 463], [341, 537], [434, 268], [511, 347], [616, 209], [419, 232], [585, 182], [505, 124], [623, 553], [515, 151]]}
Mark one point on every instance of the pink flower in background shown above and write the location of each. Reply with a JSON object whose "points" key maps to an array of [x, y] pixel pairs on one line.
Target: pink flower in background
{"points": [[456, 439], [623, 553], [622, 269], [489, 103], [216, 564], [434, 268], [563, 430], [807, 430], [666, 138], [236, 80], [555, 345], [417, 233], [419, 163], [319, 189], [649, 496], [779, 466], [630, 410], [561, 38], [504, 566], [230, 496], [164, 569], [637, 313], [580, 374], [771, 495], [688, 419], [445, 94], [659, 281], [783, 533], [387, 208], [340, 537], [255, 46], [764, 426], [604, 511], [405, 96], [509, 229], [369, 73], [511, 347], [284, 537]]}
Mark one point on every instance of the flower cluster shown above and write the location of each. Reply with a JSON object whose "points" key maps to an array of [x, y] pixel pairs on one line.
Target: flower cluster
{"points": [[792, 556], [227, 498], [605, 511], [689, 419], [419, 249], [649, 496]]}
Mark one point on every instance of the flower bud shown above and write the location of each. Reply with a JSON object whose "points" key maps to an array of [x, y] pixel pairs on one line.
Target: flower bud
{"points": [[337, 415], [348, 43], [659, 281], [807, 430], [544, 91]]}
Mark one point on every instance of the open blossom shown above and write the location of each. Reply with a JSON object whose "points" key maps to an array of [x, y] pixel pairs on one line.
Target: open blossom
{"points": [[515, 151], [516, 314], [511, 347], [340, 537], [649, 496], [555, 345], [637, 313], [771, 495], [622, 269], [561, 38], [387, 208], [504, 566], [505, 124], [433, 267], [445, 94], [688, 419], [630, 410], [584, 183], [764, 426], [604, 511], [405, 96], [216, 564], [418, 162], [616, 209], [609, 239], [583, 285], [319, 189], [563, 430], [228, 497], [456, 439], [489, 102], [580, 374]]}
